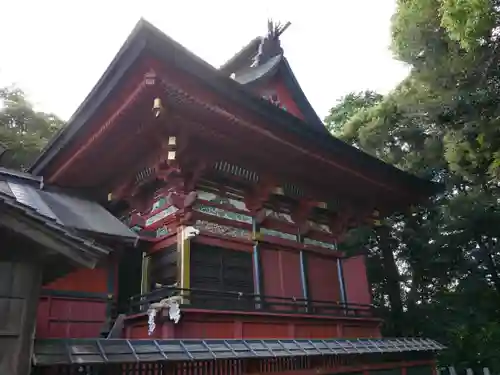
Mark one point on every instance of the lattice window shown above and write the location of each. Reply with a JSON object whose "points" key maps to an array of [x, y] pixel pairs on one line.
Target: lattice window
{"points": [[220, 270]]}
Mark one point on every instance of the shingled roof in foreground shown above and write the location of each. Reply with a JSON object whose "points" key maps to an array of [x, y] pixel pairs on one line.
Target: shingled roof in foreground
{"points": [[60, 207], [95, 351], [75, 229]]}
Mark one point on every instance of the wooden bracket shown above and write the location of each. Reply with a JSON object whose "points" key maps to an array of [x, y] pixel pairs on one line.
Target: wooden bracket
{"points": [[301, 215], [260, 216], [256, 199], [193, 170], [341, 223]]}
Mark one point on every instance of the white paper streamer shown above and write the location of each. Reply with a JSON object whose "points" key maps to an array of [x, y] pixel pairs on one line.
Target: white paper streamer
{"points": [[174, 311]]}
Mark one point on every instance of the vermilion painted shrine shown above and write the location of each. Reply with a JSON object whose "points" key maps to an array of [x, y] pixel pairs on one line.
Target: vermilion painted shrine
{"points": [[235, 196]]}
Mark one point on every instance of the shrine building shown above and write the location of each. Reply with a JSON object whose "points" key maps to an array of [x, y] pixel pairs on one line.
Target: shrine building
{"points": [[235, 198]]}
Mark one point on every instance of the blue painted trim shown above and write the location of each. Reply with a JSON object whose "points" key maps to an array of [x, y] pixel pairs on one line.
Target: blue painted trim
{"points": [[303, 272], [256, 264], [303, 275], [340, 272], [256, 260]]}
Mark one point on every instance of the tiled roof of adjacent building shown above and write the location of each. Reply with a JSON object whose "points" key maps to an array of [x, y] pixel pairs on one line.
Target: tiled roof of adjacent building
{"points": [[80, 223]]}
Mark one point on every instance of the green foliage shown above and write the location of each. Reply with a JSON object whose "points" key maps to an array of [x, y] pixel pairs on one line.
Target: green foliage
{"points": [[347, 107], [469, 22], [23, 130], [435, 272]]}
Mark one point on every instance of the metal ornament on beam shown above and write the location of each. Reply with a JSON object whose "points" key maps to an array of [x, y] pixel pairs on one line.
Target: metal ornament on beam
{"points": [[151, 168]]}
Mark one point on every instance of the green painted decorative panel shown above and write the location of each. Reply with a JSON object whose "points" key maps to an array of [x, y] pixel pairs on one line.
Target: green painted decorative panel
{"points": [[222, 230], [159, 204], [326, 245], [161, 215], [275, 233], [136, 228], [223, 214], [162, 231], [214, 198]]}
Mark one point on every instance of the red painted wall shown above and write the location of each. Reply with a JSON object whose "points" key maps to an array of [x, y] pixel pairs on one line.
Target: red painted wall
{"points": [[357, 331], [204, 324], [314, 331], [356, 281], [281, 274], [322, 278], [65, 317], [284, 96], [77, 307], [82, 280]]}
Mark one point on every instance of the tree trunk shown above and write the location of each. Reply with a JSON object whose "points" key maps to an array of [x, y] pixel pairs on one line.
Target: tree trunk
{"points": [[393, 288], [492, 269]]}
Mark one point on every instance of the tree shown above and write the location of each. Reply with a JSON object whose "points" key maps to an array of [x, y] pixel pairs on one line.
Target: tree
{"points": [[435, 271], [23, 130], [452, 46], [347, 107], [472, 23]]}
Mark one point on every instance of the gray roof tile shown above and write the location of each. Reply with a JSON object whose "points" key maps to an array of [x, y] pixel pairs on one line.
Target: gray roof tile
{"points": [[68, 211]]}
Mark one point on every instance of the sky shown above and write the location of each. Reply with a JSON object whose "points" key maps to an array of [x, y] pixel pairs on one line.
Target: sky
{"points": [[57, 50]]}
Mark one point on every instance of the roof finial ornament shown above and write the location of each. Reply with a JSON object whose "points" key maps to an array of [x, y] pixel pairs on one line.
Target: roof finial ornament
{"points": [[270, 45]]}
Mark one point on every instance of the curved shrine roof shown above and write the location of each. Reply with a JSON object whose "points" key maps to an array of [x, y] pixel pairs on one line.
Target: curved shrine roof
{"points": [[146, 39], [255, 74]]}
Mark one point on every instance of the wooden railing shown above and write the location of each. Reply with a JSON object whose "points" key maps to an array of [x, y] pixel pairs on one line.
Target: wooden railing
{"points": [[235, 301]]}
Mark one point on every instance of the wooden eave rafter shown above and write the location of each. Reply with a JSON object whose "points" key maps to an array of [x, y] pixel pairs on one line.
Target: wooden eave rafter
{"points": [[103, 130]]}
